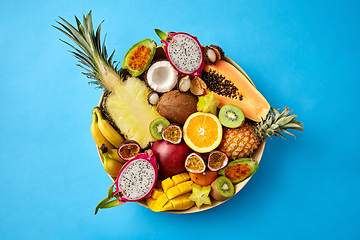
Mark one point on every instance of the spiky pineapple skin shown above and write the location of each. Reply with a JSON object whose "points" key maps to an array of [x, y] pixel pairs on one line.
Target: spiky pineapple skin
{"points": [[239, 142]]}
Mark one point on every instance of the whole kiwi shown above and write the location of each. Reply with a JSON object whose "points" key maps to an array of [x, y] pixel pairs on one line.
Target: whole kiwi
{"points": [[177, 106]]}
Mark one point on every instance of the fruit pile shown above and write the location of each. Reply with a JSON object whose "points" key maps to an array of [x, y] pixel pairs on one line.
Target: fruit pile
{"points": [[177, 124]]}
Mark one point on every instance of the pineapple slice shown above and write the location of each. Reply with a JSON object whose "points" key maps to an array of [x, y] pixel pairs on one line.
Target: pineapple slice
{"points": [[129, 109]]}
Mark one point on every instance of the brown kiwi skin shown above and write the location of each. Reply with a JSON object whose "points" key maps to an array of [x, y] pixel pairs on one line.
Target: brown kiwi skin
{"points": [[215, 193]]}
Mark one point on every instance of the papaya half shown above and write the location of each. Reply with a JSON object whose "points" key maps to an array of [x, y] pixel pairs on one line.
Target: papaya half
{"points": [[232, 87]]}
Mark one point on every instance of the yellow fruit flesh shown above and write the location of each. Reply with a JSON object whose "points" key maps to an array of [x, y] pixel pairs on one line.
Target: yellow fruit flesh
{"points": [[128, 107], [173, 196]]}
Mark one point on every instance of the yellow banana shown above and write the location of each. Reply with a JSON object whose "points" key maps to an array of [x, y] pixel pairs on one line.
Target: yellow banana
{"points": [[111, 166], [107, 130], [97, 135], [114, 155]]}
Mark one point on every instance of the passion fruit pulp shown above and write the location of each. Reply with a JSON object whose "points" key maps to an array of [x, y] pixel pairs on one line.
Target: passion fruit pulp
{"points": [[194, 163], [172, 133], [217, 160], [128, 149]]}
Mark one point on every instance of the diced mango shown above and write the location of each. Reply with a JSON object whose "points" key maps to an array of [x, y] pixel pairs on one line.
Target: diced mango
{"points": [[173, 192], [179, 189], [160, 203], [150, 202], [167, 184], [156, 193], [181, 177], [168, 206], [185, 187], [179, 203]]}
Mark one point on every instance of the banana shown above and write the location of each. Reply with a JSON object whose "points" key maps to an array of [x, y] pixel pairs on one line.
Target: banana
{"points": [[114, 155], [97, 135], [107, 130], [111, 166]]}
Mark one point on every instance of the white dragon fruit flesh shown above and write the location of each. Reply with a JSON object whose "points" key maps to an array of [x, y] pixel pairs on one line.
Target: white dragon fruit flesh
{"points": [[137, 178], [183, 51]]}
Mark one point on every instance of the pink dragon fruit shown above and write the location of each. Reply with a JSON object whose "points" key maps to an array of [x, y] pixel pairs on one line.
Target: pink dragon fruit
{"points": [[183, 51], [137, 178], [136, 181]]}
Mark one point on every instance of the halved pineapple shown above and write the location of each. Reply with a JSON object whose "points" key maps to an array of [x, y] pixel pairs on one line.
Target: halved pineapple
{"points": [[126, 102], [129, 109]]}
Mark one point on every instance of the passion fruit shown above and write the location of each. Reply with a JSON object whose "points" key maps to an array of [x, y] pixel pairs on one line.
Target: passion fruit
{"points": [[194, 163], [172, 133], [128, 149], [217, 160]]}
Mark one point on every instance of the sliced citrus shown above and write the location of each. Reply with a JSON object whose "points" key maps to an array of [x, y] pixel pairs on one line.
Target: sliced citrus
{"points": [[202, 132]]}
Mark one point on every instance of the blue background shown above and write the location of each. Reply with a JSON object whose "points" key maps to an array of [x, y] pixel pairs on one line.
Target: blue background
{"points": [[301, 54]]}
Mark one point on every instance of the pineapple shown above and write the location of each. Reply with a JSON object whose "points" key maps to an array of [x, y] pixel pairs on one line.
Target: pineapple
{"points": [[126, 99], [242, 141]]}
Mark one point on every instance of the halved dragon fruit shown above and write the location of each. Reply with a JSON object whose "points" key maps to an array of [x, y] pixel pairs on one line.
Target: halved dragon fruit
{"points": [[183, 51], [137, 178]]}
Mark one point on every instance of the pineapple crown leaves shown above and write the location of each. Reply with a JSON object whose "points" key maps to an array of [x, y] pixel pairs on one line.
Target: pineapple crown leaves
{"points": [[277, 122], [90, 50]]}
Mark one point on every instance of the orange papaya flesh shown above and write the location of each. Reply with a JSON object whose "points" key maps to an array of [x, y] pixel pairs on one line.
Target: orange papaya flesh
{"points": [[232, 87]]}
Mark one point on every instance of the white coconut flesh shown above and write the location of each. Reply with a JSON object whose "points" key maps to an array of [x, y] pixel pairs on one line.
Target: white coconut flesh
{"points": [[137, 179], [161, 76]]}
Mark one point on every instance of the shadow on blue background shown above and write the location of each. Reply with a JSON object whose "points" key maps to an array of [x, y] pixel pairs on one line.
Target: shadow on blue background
{"points": [[301, 54]]}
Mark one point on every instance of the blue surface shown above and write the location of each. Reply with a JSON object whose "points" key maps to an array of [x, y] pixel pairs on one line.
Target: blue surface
{"points": [[301, 54]]}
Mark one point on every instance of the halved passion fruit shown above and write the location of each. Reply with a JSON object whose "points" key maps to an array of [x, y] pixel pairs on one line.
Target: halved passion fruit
{"points": [[172, 133], [194, 163], [128, 149], [217, 160]]}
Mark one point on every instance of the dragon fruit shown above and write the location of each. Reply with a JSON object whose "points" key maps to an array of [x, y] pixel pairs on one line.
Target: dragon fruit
{"points": [[135, 181], [137, 178], [183, 51]]}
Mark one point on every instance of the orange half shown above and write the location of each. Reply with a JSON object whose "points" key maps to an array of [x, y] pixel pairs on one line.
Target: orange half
{"points": [[202, 132]]}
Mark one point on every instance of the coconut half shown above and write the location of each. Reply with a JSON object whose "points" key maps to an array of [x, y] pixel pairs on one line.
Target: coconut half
{"points": [[161, 76]]}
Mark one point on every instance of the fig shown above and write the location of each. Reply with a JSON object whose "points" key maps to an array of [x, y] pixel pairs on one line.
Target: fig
{"points": [[172, 133], [194, 163], [128, 149], [217, 160], [171, 157], [176, 106]]}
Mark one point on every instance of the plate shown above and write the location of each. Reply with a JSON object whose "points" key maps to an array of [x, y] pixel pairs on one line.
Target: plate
{"points": [[257, 154]]}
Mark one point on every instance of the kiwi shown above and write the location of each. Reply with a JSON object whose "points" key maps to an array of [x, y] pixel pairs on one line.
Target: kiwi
{"points": [[222, 188], [157, 126], [231, 116]]}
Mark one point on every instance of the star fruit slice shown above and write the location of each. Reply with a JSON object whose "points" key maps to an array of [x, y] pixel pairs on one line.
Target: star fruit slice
{"points": [[208, 103], [200, 195]]}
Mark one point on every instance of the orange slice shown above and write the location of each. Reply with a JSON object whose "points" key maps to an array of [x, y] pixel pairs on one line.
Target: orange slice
{"points": [[202, 132]]}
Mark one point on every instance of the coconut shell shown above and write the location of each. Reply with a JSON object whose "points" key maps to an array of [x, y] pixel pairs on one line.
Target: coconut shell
{"points": [[176, 106]]}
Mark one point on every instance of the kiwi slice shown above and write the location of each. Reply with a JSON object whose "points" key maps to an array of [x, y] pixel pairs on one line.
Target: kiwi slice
{"points": [[157, 126], [222, 188], [231, 116]]}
